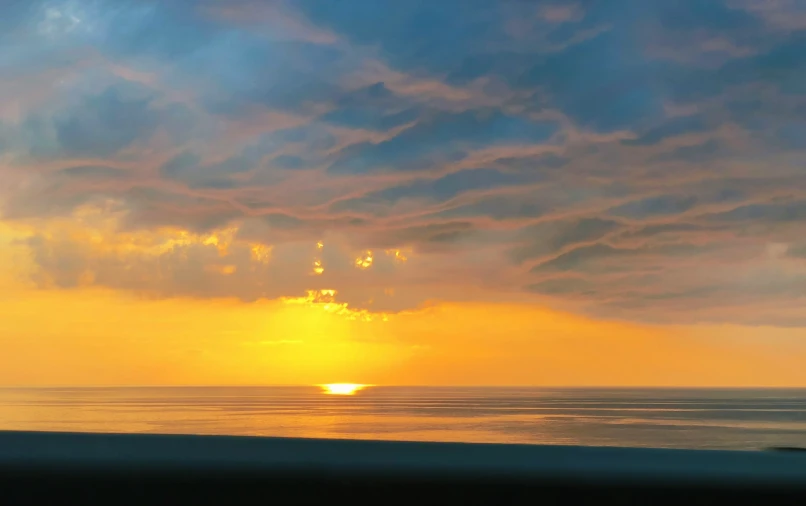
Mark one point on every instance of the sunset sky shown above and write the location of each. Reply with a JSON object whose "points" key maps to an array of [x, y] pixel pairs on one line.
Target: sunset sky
{"points": [[445, 192]]}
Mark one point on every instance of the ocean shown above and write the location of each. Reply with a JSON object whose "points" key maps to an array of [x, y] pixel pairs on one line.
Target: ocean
{"points": [[665, 418]]}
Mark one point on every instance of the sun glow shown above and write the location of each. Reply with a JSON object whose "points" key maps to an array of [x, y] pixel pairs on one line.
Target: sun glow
{"points": [[342, 388], [364, 261]]}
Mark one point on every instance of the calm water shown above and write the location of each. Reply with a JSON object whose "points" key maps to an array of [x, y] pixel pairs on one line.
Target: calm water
{"points": [[738, 419]]}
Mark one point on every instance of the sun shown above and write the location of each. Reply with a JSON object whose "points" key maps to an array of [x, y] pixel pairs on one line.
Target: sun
{"points": [[342, 388]]}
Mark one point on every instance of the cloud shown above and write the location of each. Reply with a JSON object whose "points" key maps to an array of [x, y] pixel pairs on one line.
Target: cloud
{"points": [[373, 107], [552, 236], [654, 206], [443, 139], [632, 162], [105, 124], [671, 127], [763, 213]]}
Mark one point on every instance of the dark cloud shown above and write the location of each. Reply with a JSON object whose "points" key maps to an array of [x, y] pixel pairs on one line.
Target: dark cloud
{"points": [[189, 169], [763, 213], [424, 238], [798, 251], [587, 259], [148, 207], [578, 258], [564, 286], [661, 229], [97, 125], [103, 125], [553, 236], [184, 270], [655, 206]]}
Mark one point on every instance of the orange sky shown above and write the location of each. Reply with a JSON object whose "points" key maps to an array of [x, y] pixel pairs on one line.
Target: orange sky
{"points": [[509, 194], [92, 336]]}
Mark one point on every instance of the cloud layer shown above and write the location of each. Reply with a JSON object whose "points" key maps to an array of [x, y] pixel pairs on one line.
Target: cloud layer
{"points": [[638, 160]]}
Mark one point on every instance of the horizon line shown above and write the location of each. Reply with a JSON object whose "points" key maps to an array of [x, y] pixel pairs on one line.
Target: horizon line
{"points": [[368, 386]]}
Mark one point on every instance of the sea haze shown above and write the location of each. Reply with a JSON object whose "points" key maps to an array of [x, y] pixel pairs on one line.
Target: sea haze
{"points": [[669, 418]]}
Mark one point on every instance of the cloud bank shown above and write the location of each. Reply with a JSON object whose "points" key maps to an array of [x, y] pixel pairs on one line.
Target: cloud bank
{"points": [[637, 160]]}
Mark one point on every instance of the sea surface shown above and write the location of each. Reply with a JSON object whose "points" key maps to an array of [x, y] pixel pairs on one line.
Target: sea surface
{"points": [[668, 418]]}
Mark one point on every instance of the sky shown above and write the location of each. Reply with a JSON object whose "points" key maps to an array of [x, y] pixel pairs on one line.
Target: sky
{"points": [[451, 193]]}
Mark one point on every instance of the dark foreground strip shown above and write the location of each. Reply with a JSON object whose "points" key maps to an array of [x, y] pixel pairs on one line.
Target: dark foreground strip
{"points": [[62, 468]]}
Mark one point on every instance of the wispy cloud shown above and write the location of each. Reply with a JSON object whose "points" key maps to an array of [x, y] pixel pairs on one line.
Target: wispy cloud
{"points": [[634, 161]]}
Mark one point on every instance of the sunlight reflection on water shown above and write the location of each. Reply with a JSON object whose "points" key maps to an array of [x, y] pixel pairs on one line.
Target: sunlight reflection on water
{"points": [[739, 419]]}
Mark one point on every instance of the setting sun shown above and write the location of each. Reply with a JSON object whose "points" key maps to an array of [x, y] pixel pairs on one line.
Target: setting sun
{"points": [[342, 388]]}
